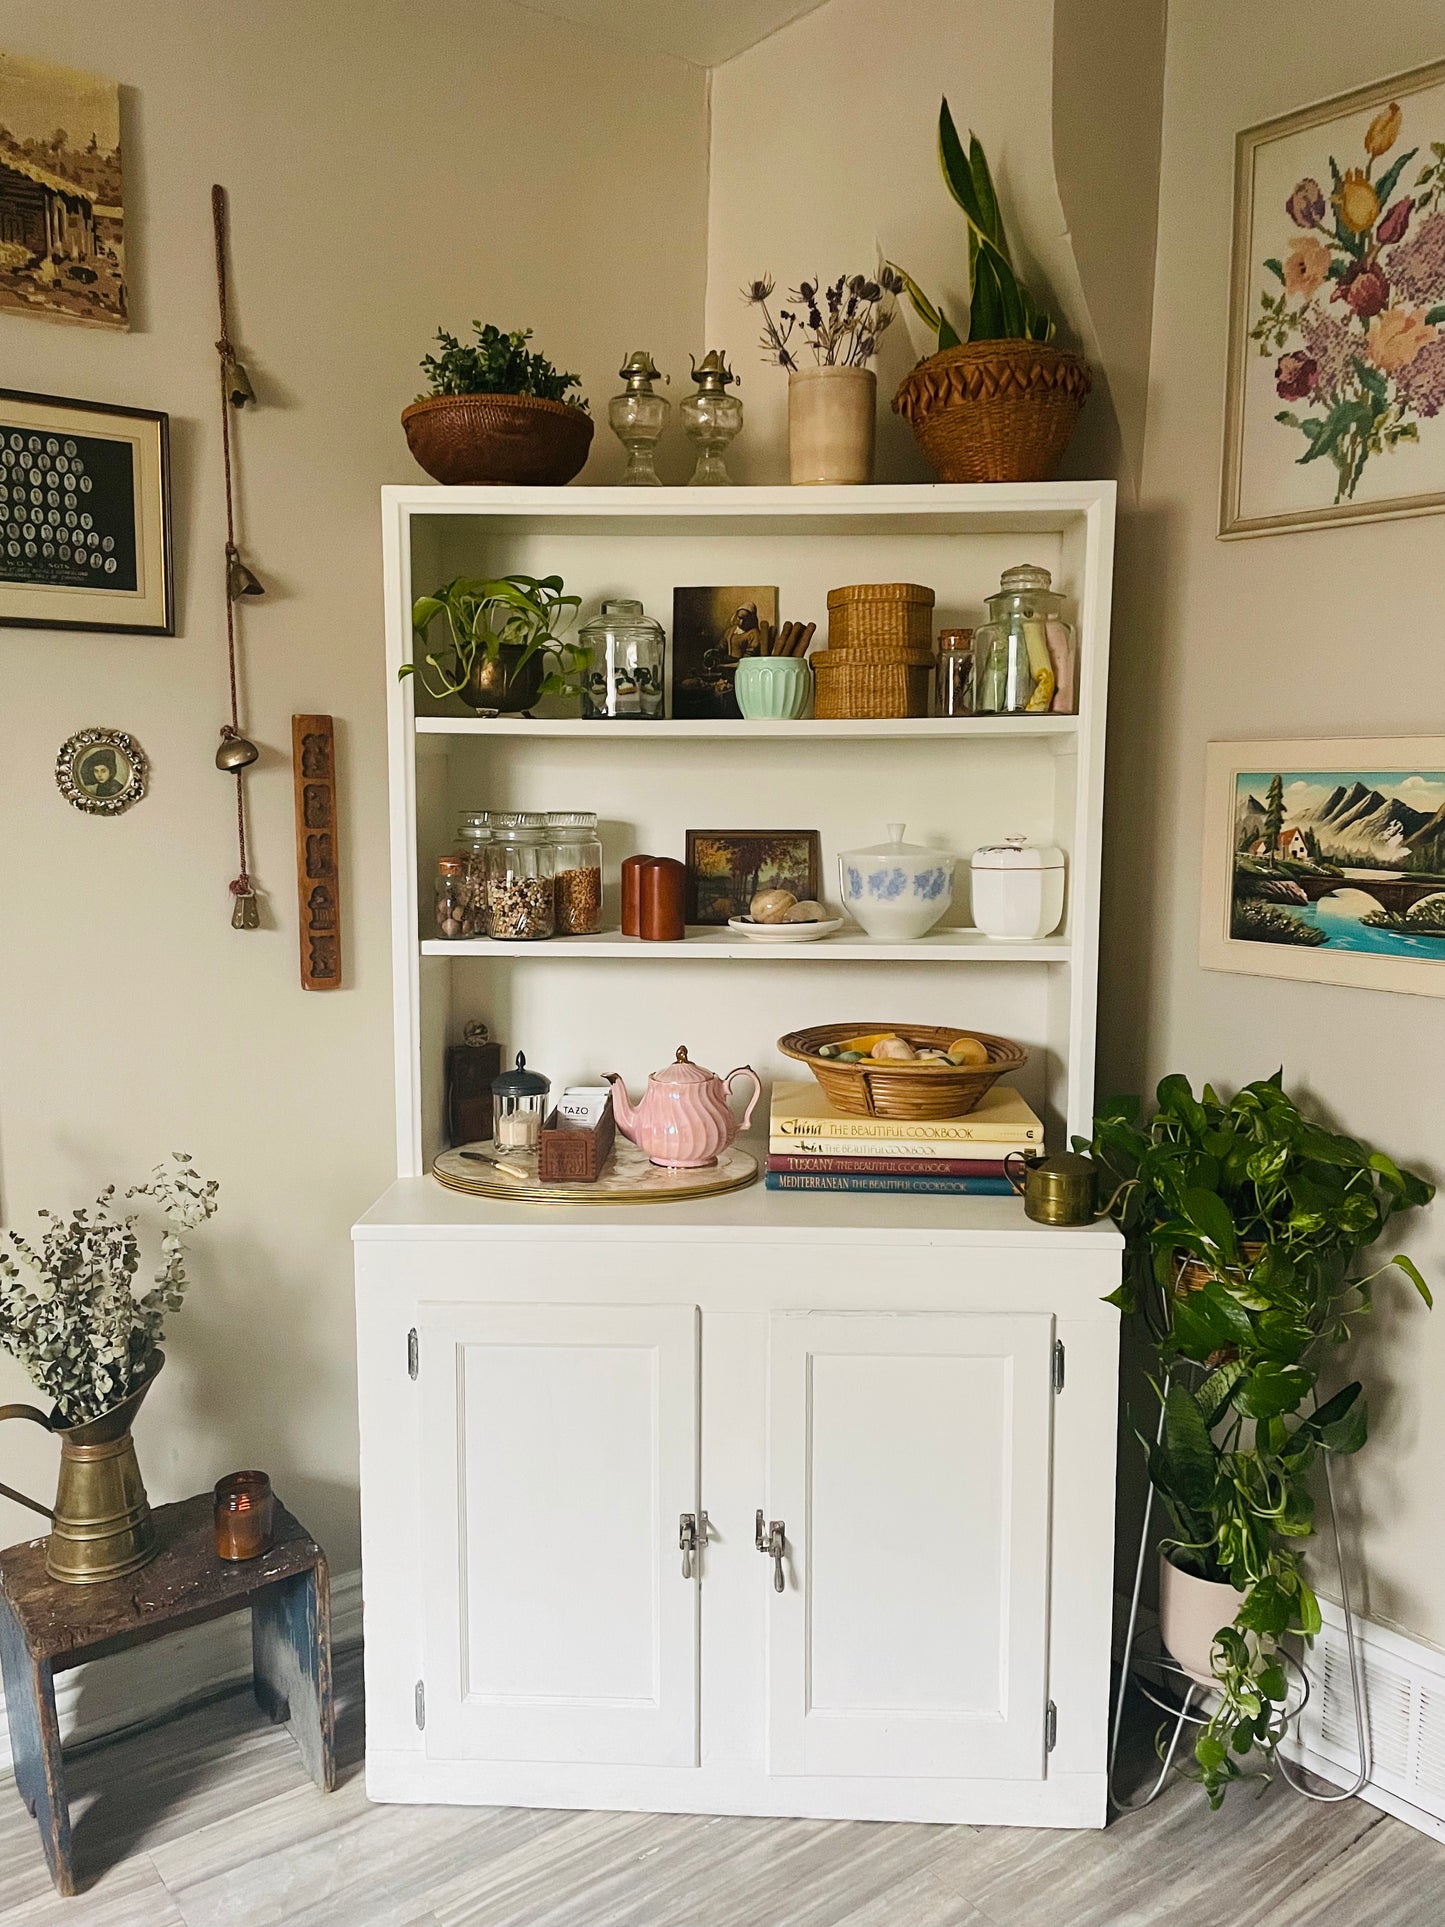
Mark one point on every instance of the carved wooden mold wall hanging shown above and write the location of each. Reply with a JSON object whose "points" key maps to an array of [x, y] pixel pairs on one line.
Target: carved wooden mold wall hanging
{"points": [[313, 749]]}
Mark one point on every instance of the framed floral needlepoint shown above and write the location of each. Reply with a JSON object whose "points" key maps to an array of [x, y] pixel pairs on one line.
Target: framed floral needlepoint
{"points": [[1336, 403]]}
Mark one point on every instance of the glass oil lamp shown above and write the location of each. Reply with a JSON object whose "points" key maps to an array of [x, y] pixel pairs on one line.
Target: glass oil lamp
{"points": [[519, 1106], [638, 417], [711, 419]]}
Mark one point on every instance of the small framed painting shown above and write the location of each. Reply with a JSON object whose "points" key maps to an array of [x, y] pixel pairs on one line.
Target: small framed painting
{"points": [[85, 516], [712, 631], [727, 868], [1336, 400], [1325, 861]]}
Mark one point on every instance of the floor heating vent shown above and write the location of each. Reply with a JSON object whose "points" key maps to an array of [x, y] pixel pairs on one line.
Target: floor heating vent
{"points": [[1405, 1702]]}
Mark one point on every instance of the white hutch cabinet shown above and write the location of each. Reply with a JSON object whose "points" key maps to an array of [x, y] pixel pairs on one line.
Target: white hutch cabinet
{"points": [[788, 1503]]}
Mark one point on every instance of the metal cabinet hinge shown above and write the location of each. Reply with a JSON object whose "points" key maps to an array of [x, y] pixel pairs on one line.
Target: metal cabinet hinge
{"points": [[1058, 1365], [413, 1354], [421, 1704], [1051, 1726]]}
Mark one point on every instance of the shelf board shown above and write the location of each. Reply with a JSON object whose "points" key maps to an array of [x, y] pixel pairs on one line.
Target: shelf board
{"points": [[708, 942], [939, 728]]}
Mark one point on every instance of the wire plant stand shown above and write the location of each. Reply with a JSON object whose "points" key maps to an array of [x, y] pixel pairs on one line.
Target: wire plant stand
{"points": [[1153, 1671]]}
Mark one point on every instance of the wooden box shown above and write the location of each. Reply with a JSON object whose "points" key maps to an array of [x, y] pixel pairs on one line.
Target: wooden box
{"points": [[573, 1154]]}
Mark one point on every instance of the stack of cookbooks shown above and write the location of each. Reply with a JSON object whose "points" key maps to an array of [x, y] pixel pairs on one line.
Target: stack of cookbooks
{"points": [[812, 1147]]}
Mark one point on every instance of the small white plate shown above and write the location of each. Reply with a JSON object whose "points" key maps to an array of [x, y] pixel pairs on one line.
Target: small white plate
{"points": [[785, 932]]}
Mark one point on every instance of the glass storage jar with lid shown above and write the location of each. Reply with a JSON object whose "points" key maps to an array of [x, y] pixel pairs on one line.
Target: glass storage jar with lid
{"points": [[519, 1107], [520, 897], [474, 847], [626, 659], [577, 883], [1024, 658]]}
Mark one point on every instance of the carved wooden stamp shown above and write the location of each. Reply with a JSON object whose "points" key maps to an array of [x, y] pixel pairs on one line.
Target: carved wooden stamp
{"points": [[313, 749]]}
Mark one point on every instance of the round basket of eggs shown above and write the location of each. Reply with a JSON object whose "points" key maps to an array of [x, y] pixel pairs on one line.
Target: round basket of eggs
{"points": [[910, 1071], [777, 916]]}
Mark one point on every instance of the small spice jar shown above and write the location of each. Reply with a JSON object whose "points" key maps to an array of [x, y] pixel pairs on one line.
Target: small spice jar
{"points": [[521, 902], [519, 1104], [577, 882], [451, 898], [953, 673], [245, 1516], [474, 847]]}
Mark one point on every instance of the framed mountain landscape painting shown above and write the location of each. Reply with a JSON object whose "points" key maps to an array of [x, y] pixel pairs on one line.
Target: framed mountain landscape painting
{"points": [[1325, 861], [1335, 410]]}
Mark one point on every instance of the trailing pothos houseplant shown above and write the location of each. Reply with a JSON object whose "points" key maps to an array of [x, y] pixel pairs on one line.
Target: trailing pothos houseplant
{"points": [[525, 616], [1244, 1224]]}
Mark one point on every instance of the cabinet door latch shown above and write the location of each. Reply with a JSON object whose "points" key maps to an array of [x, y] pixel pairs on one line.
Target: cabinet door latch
{"points": [[413, 1354], [692, 1537], [419, 1703], [772, 1541], [1058, 1364], [1051, 1727]]}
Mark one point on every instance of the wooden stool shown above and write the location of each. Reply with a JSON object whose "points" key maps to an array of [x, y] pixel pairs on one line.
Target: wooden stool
{"points": [[47, 1627]]}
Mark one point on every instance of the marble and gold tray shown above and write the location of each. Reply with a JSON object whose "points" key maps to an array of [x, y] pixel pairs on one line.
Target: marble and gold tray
{"points": [[629, 1178]]}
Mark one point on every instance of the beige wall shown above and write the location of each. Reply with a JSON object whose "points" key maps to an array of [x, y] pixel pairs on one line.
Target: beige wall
{"points": [[390, 169], [824, 150], [1331, 632]]}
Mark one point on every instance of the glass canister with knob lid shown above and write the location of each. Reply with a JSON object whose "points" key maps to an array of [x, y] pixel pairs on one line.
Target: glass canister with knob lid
{"points": [[1024, 657], [577, 883], [474, 849], [520, 895], [626, 662], [519, 1107]]}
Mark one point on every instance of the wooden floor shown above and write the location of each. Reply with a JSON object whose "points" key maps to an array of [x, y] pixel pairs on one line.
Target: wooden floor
{"points": [[208, 1821]]}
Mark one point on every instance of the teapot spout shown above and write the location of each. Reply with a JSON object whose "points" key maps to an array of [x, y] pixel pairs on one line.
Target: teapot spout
{"points": [[623, 1108]]}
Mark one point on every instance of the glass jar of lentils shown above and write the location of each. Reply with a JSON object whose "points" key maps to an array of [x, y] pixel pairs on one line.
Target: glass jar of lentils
{"points": [[521, 898], [474, 847], [577, 855]]}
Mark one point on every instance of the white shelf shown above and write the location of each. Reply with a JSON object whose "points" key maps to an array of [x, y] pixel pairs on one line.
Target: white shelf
{"points": [[940, 728], [704, 941]]}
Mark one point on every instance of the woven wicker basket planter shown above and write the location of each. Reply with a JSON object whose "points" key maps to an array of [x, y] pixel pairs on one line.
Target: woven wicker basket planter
{"points": [[995, 411], [497, 438], [907, 1091]]}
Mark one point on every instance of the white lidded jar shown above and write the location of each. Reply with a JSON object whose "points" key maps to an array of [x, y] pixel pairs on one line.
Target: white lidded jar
{"points": [[896, 890], [1018, 889]]}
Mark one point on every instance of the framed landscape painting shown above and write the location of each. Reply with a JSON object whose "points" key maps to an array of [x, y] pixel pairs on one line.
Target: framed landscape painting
{"points": [[1335, 410], [1325, 861]]}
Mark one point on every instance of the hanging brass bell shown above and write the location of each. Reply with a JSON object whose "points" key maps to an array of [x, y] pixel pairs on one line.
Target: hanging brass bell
{"points": [[245, 911], [240, 580], [235, 753], [238, 383]]}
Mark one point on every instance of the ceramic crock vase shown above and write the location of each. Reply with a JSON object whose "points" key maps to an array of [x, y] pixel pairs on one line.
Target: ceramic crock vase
{"points": [[831, 416], [101, 1527], [684, 1120], [1191, 1612]]}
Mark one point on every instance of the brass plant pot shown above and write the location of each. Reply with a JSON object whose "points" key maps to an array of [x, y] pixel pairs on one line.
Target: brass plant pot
{"points": [[101, 1525], [505, 682]]}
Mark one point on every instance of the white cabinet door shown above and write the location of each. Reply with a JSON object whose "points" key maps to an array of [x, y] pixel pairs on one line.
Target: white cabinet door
{"points": [[560, 1447], [908, 1460]]}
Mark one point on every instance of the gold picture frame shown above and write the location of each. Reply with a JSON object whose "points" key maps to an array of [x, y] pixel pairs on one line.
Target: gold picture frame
{"points": [[101, 771], [1333, 299]]}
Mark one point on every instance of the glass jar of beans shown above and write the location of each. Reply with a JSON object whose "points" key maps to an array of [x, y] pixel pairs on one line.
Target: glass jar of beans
{"points": [[577, 856], [521, 898]]}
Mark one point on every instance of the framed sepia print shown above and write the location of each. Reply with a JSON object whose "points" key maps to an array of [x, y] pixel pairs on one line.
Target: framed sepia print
{"points": [[1325, 861], [101, 771], [713, 629], [85, 516], [727, 868], [1335, 410]]}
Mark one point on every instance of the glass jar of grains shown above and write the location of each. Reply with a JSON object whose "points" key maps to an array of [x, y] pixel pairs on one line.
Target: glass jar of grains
{"points": [[474, 847], [520, 896], [577, 857]]}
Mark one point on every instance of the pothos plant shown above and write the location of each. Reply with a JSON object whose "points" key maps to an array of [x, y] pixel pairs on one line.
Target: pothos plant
{"points": [[525, 614], [69, 1310], [1244, 1224]]}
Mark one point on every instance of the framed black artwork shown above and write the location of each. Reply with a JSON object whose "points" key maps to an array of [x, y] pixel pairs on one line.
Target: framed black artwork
{"points": [[85, 516]]}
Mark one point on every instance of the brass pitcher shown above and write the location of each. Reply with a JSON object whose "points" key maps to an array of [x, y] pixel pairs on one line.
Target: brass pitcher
{"points": [[1062, 1190], [101, 1527]]}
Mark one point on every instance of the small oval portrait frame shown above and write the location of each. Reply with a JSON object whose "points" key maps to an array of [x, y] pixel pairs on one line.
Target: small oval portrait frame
{"points": [[101, 771]]}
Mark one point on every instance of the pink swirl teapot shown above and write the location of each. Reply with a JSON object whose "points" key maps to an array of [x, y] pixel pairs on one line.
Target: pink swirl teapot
{"points": [[683, 1120]]}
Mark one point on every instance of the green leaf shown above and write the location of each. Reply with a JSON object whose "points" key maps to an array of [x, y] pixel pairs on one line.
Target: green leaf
{"points": [[1436, 314], [948, 335], [958, 174], [1412, 1272], [1385, 185], [1273, 1389], [1212, 1219], [1190, 1450], [1175, 1097], [1267, 1609], [1275, 268]]}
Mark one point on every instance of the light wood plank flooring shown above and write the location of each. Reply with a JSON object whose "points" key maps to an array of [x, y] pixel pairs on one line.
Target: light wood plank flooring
{"points": [[208, 1821]]}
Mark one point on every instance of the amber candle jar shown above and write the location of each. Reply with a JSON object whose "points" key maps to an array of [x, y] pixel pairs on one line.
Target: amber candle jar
{"points": [[245, 1516], [664, 882], [632, 895]]}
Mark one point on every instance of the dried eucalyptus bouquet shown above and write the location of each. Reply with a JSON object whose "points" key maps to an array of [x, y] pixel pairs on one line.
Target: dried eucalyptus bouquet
{"points": [[69, 1310]]}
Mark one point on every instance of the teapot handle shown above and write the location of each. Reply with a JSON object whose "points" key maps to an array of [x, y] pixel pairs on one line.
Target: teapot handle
{"points": [[745, 1070], [37, 1418]]}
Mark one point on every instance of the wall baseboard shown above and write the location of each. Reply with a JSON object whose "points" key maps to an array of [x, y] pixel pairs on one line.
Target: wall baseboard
{"points": [[110, 1694], [1404, 1682]]}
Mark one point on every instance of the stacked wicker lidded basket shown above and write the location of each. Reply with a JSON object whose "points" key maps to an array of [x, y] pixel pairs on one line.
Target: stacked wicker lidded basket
{"points": [[880, 652]]}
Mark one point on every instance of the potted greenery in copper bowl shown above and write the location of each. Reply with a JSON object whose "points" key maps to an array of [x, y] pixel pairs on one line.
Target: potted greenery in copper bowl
{"points": [[1245, 1223], [497, 412], [1000, 405], [504, 643]]}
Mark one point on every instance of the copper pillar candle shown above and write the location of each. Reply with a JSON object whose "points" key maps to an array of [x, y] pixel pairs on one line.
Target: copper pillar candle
{"points": [[663, 887], [245, 1515], [632, 895]]}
